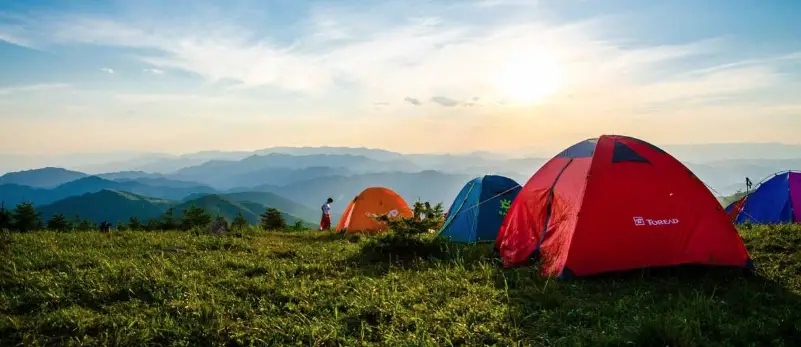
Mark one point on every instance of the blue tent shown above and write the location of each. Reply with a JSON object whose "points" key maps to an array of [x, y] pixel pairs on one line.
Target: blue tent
{"points": [[477, 212], [775, 200]]}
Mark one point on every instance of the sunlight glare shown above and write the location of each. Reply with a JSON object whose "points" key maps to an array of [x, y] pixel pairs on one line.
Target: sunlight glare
{"points": [[529, 76]]}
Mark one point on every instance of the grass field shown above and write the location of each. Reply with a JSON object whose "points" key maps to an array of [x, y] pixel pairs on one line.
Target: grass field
{"points": [[171, 288]]}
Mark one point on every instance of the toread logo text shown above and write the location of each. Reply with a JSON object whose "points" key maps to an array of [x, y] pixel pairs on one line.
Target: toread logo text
{"points": [[640, 221]]}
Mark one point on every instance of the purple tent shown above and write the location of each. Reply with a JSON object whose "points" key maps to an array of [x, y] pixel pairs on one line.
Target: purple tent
{"points": [[775, 200]]}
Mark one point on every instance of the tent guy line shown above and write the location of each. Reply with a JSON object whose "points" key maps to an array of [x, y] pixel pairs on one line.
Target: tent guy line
{"points": [[488, 199], [482, 223]]}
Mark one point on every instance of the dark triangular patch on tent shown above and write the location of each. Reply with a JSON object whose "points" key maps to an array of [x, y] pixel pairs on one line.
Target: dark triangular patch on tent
{"points": [[582, 149], [623, 153], [651, 145]]}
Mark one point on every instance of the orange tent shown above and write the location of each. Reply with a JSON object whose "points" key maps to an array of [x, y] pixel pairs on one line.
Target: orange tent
{"points": [[373, 201]]}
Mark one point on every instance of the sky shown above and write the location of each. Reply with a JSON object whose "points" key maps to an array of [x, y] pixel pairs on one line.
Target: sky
{"points": [[409, 75]]}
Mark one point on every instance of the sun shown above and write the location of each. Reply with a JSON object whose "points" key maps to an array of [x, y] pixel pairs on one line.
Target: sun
{"points": [[529, 76]]}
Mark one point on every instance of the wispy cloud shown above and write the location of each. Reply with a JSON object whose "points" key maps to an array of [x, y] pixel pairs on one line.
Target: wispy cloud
{"points": [[427, 58], [32, 88], [186, 98], [495, 3], [445, 101], [107, 70], [413, 101], [432, 56], [12, 39], [14, 31], [153, 71]]}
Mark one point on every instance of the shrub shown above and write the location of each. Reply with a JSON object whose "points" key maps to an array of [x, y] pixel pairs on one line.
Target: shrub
{"points": [[239, 222], [6, 220], [134, 223], [272, 219], [26, 218], [59, 223], [298, 225], [426, 219], [168, 220]]}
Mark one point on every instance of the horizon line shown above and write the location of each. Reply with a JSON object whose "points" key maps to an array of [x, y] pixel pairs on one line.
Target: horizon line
{"points": [[202, 151]]}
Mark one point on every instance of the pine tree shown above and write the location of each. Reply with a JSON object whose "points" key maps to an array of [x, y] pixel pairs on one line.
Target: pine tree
{"points": [[59, 223], [220, 218], [272, 219], [134, 223], [239, 222], [26, 218], [196, 217], [76, 221], [220, 223], [85, 225], [6, 221], [152, 224], [298, 225], [168, 220]]}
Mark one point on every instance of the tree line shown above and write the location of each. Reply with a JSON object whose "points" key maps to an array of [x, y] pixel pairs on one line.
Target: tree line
{"points": [[25, 218]]}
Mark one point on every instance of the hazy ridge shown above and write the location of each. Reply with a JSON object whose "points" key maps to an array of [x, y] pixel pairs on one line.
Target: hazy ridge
{"points": [[300, 179]]}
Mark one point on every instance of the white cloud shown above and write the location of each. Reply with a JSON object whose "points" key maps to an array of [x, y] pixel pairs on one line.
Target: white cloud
{"points": [[14, 31], [427, 57], [176, 98], [413, 101], [445, 101], [32, 88], [107, 70], [431, 56], [153, 71], [366, 56], [11, 38], [495, 3]]}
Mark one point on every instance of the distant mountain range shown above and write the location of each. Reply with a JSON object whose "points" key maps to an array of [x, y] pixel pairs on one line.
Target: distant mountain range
{"points": [[722, 166], [298, 180], [107, 205], [267, 199], [118, 206], [300, 200], [46, 178], [228, 207], [13, 194], [97, 163], [432, 186]]}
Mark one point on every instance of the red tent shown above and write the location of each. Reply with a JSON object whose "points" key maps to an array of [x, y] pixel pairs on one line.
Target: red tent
{"points": [[617, 203], [736, 208]]}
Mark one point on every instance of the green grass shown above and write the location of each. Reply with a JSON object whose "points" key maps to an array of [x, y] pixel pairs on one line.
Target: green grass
{"points": [[171, 288]]}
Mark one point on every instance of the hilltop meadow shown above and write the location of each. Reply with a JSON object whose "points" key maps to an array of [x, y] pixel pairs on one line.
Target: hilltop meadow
{"points": [[161, 278], [317, 288]]}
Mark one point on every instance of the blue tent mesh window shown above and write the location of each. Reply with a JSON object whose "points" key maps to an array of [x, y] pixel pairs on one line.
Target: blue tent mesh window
{"points": [[582, 149]]}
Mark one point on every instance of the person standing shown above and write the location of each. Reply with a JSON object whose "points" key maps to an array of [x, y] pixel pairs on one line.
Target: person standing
{"points": [[325, 220]]}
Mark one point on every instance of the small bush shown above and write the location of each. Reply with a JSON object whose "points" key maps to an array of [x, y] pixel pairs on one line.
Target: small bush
{"points": [[298, 226], [432, 219], [402, 248], [272, 219]]}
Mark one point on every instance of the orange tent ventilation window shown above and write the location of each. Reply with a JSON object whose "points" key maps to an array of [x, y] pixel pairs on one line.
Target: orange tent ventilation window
{"points": [[373, 201]]}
